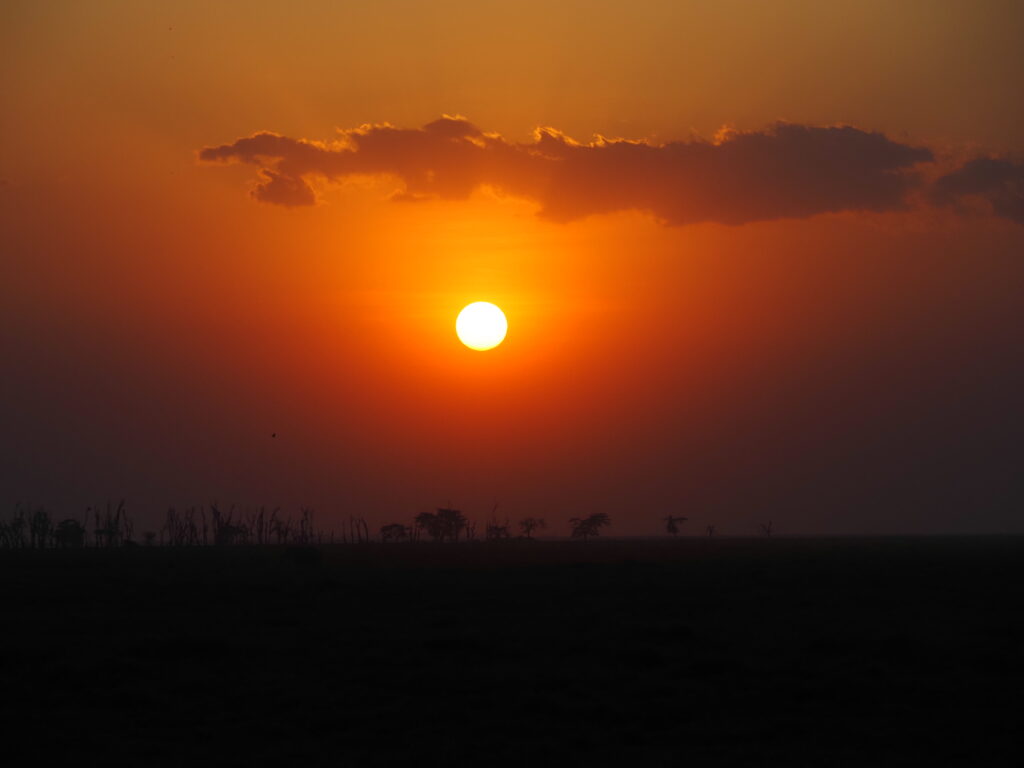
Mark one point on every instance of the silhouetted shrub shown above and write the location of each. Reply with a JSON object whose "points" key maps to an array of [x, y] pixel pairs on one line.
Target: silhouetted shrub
{"points": [[585, 527]]}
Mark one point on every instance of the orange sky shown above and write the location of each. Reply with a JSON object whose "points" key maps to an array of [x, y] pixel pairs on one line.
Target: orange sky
{"points": [[845, 371]]}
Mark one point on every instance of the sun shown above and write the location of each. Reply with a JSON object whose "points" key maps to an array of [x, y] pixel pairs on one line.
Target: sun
{"points": [[481, 325]]}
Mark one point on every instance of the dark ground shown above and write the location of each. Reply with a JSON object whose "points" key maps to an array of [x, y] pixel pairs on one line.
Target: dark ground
{"points": [[725, 652]]}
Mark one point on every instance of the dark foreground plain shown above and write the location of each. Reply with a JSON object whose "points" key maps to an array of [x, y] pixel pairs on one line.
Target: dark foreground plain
{"points": [[704, 652]]}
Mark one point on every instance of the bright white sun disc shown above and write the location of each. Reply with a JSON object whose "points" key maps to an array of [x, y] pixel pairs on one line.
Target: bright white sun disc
{"points": [[481, 325]]}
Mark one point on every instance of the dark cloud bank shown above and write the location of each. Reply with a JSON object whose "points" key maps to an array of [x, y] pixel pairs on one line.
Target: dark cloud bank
{"points": [[785, 171]]}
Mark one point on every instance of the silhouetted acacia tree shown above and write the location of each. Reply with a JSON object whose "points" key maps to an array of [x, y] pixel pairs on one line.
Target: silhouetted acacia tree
{"points": [[453, 523], [530, 524], [429, 523], [585, 527], [672, 524], [445, 523]]}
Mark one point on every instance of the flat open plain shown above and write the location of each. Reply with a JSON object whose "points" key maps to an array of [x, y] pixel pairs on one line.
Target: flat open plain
{"points": [[727, 652]]}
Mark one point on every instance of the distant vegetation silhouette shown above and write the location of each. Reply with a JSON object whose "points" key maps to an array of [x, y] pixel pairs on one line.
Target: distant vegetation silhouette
{"points": [[445, 524], [672, 524], [395, 532], [586, 527], [110, 526], [528, 525], [33, 528], [496, 531]]}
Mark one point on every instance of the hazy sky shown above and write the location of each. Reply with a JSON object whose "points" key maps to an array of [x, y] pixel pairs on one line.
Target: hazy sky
{"points": [[792, 292]]}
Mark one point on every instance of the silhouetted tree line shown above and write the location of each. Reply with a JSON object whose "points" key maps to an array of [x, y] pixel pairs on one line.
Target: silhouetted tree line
{"points": [[213, 525], [33, 528], [111, 526]]}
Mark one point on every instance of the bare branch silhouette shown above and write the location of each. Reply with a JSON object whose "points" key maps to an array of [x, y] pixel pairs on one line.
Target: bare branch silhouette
{"points": [[530, 524], [672, 524]]}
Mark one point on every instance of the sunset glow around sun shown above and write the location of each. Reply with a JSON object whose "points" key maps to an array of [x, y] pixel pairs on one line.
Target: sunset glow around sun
{"points": [[481, 326], [761, 260], [594, 375]]}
